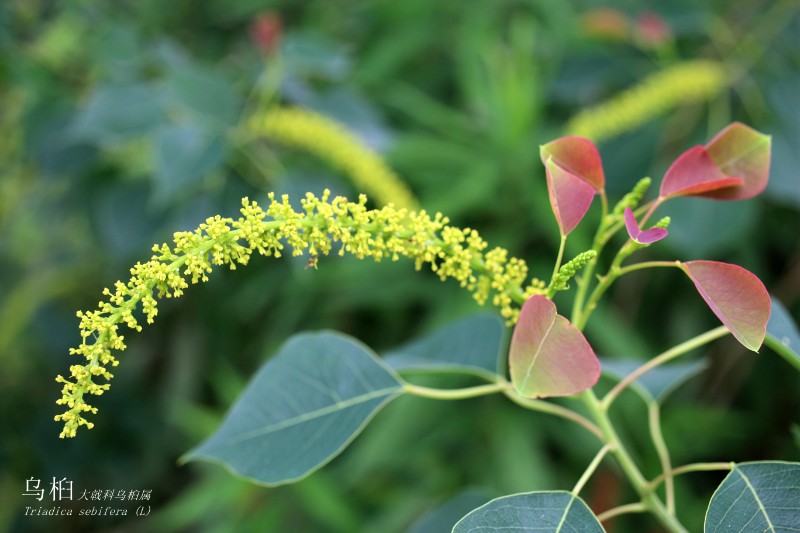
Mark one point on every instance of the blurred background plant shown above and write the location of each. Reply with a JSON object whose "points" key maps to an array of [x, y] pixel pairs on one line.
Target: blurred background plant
{"points": [[126, 121]]}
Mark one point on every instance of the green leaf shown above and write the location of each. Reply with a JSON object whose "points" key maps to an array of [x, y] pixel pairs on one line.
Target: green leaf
{"points": [[542, 512], [444, 517], [471, 345], [658, 383], [206, 96], [782, 334], [548, 355], [119, 112], [785, 127], [185, 155], [758, 496], [308, 54], [700, 228], [301, 409]]}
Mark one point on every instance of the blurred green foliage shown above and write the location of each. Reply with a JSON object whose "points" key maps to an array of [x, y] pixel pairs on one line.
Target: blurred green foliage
{"points": [[121, 124]]}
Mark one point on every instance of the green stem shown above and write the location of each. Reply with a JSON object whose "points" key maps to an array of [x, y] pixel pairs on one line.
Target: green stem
{"points": [[585, 279], [685, 469], [455, 394], [558, 259], [654, 421], [669, 355], [637, 507], [647, 264], [652, 209], [603, 204], [591, 469], [553, 409], [605, 282], [506, 388], [614, 272], [650, 500], [599, 411]]}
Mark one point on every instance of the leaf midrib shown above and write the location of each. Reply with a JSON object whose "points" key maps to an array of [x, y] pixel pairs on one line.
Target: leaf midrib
{"points": [[755, 496], [539, 350], [311, 415], [732, 160]]}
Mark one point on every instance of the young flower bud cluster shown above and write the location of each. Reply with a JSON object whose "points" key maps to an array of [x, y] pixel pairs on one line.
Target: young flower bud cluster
{"points": [[633, 198], [569, 269]]}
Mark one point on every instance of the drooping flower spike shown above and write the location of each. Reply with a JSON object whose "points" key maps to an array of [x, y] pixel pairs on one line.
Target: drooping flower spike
{"points": [[322, 223]]}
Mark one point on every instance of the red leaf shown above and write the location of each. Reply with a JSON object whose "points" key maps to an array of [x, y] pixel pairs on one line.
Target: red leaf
{"points": [[570, 196], [736, 296], [648, 236], [578, 156], [694, 173], [742, 152], [548, 355]]}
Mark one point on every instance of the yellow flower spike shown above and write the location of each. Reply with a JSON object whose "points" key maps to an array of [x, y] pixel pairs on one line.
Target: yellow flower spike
{"points": [[449, 251], [682, 83], [339, 148]]}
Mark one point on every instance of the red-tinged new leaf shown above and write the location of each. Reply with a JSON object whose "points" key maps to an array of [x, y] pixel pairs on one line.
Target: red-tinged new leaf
{"points": [[736, 296], [549, 356], [741, 152], [648, 236], [694, 173], [570, 196], [576, 155]]}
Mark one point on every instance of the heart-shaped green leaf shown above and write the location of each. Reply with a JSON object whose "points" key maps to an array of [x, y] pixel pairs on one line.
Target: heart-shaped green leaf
{"points": [[570, 196], [301, 409], [736, 296], [116, 113], [761, 496], [741, 152], [543, 512], [782, 334], [471, 345], [548, 355]]}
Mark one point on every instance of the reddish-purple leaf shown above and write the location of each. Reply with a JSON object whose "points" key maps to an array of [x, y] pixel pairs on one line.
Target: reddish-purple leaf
{"points": [[741, 152], [736, 296], [694, 173], [648, 236], [548, 355], [570, 196], [578, 156]]}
